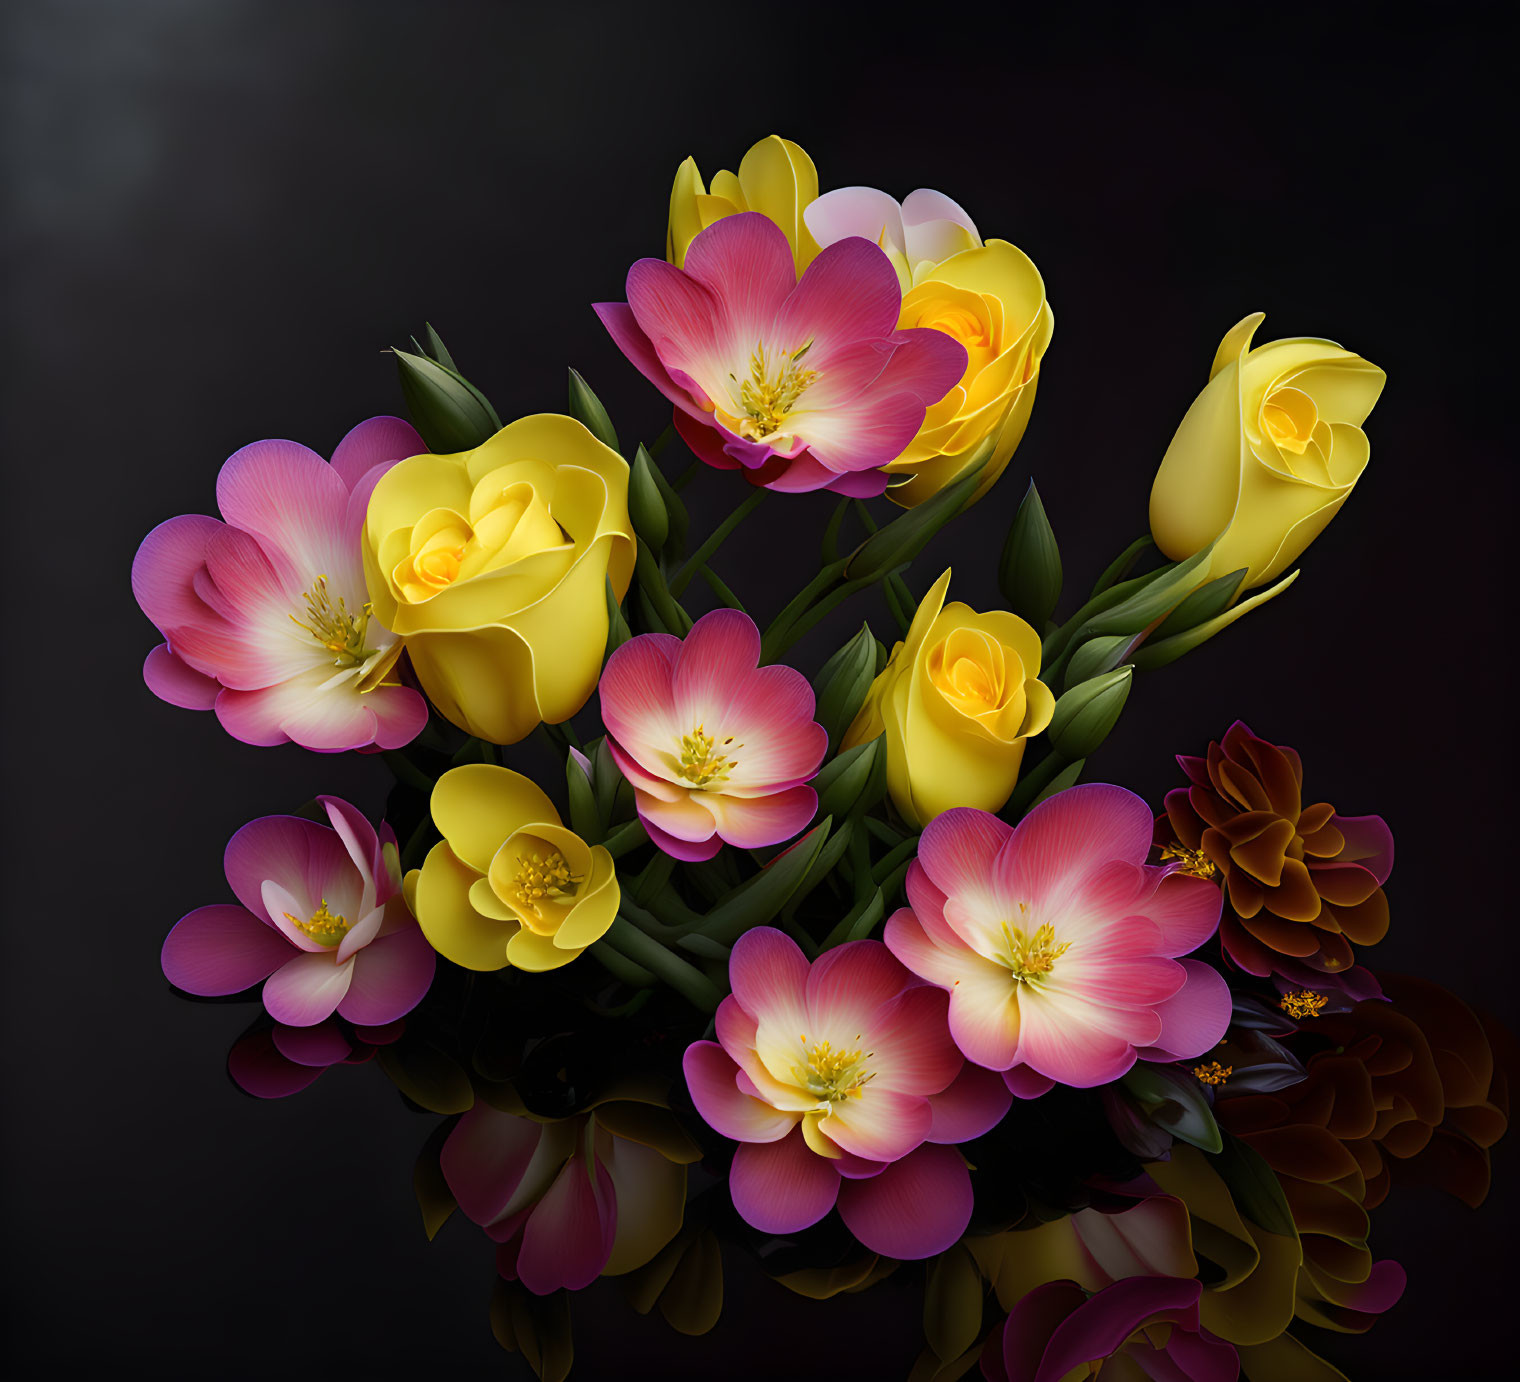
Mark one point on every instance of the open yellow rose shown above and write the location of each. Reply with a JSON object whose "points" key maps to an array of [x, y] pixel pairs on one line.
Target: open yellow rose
{"points": [[508, 884], [775, 178], [1266, 455], [956, 701], [492, 566]]}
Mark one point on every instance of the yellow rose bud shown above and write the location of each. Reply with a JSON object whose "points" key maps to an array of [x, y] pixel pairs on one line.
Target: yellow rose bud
{"points": [[508, 884], [775, 178], [492, 566], [956, 701], [1266, 455], [992, 300]]}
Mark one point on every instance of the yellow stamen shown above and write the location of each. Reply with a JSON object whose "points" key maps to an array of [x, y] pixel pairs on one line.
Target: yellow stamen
{"points": [[704, 761], [329, 622], [1193, 861], [541, 878], [1302, 1003], [1213, 1073], [768, 398], [832, 1075], [326, 928], [1031, 955]]}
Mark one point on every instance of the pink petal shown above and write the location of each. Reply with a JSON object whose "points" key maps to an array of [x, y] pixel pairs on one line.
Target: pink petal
{"points": [[306, 859], [288, 496], [390, 977], [322, 1045], [849, 293], [258, 1068], [1186, 909], [928, 904], [637, 704], [985, 1017], [769, 975], [163, 571], [306, 989], [334, 720], [710, 1076], [974, 1103], [1100, 1327], [1024, 1083], [1068, 836], [568, 1237], [399, 713], [687, 326], [713, 668], [629, 337], [1059, 1041], [376, 441], [746, 263], [1013, 1353], [910, 1037], [485, 1158], [1194, 1019], [915, 1208], [848, 984], [222, 949], [704, 437], [855, 211], [688, 851], [905, 936], [782, 1187], [171, 680], [755, 822], [358, 837], [881, 1125]]}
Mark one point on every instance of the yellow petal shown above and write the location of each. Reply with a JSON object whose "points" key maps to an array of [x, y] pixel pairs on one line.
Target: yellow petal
{"points": [[479, 806], [480, 679], [684, 226], [452, 926]]}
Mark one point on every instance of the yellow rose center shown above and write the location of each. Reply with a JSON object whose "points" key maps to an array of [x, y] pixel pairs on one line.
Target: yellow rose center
{"points": [[832, 1075], [440, 566], [324, 927], [329, 621], [704, 760], [774, 386], [1288, 417], [1031, 955], [970, 670], [966, 326], [542, 876]]}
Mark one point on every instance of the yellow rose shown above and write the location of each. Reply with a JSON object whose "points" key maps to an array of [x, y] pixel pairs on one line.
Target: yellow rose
{"points": [[956, 701], [1266, 455], [508, 884], [775, 178], [492, 566]]}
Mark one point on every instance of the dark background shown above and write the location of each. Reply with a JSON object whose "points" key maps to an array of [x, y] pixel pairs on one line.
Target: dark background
{"points": [[218, 214]]}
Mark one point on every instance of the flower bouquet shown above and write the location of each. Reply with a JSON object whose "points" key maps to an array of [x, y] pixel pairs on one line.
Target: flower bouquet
{"points": [[857, 967]]}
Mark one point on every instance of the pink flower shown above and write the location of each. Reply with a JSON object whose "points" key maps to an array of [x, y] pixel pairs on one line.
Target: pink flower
{"points": [[266, 615], [322, 923], [805, 385], [1057, 1333], [273, 1062], [1056, 941], [841, 1085], [716, 747]]}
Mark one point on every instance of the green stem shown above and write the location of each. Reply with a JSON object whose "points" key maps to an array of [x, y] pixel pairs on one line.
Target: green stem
{"points": [[720, 590], [626, 938], [626, 837], [797, 606], [620, 966], [698, 559], [888, 863]]}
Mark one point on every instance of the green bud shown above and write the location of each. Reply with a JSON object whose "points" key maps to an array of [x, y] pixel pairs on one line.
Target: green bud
{"points": [[1201, 606], [845, 778], [1157, 594], [437, 350], [1096, 656], [1085, 714], [646, 505], [843, 683], [586, 408], [450, 413], [1029, 574], [898, 542], [584, 819], [674, 508]]}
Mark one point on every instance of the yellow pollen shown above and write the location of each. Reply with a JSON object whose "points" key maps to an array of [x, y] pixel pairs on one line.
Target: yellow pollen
{"points": [[1213, 1073], [768, 396], [329, 622], [1032, 955], [1302, 1003], [541, 878], [704, 758], [326, 928], [831, 1075], [1192, 861]]}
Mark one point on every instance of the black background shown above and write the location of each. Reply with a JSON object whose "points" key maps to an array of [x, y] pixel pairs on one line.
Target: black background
{"points": [[220, 213]]}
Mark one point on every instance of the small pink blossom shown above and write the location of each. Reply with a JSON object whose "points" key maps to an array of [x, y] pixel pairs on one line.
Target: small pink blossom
{"points": [[717, 748], [322, 923], [1057, 943]]}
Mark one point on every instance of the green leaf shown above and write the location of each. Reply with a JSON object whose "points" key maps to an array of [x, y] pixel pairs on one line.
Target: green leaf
{"points": [[1084, 715], [646, 505], [843, 683], [1096, 656], [901, 540], [585, 820], [1067, 777], [1029, 574], [439, 351], [1176, 1102], [1203, 604], [450, 413], [427, 1075], [840, 784], [953, 1294], [662, 605], [1158, 595], [859, 921], [434, 1198], [1254, 1187], [618, 632], [586, 408], [1116, 569], [1155, 654], [758, 899]]}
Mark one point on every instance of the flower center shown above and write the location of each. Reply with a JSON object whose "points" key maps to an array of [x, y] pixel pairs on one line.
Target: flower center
{"points": [[832, 1075], [1032, 955], [1190, 861], [772, 390], [540, 878], [330, 623], [704, 758], [1302, 1003], [1213, 1073], [1288, 417], [326, 928], [440, 566]]}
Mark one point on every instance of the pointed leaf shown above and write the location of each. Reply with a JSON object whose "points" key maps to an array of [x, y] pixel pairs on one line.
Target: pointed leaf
{"points": [[1029, 574], [586, 408], [1170, 649], [450, 413]]}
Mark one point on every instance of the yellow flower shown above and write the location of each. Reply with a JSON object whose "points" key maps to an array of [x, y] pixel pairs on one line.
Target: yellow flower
{"points": [[508, 884], [492, 567], [775, 178], [992, 300], [1266, 455], [956, 701]]}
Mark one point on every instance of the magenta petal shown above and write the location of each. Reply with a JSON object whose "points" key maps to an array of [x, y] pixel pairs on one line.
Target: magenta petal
{"points": [[301, 856], [485, 1157], [746, 262], [306, 989], [1185, 909], [769, 975], [222, 949], [391, 975], [172, 680], [1194, 1019], [782, 1187], [1369, 842], [915, 1208], [1099, 1327], [1013, 1353], [163, 571], [627, 335], [688, 851], [289, 497], [974, 1104], [258, 1068], [376, 441], [705, 440], [566, 1241], [1025, 1083], [322, 1045], [711, 1077], [849, 293], [1074, 833], [717, 660]]}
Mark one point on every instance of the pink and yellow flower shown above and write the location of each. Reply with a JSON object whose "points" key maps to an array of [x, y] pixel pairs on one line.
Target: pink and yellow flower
{"points": [[322, 923], [265, 615], [802, 384], [841, 1085], [1058, 944], [717, 748]]}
